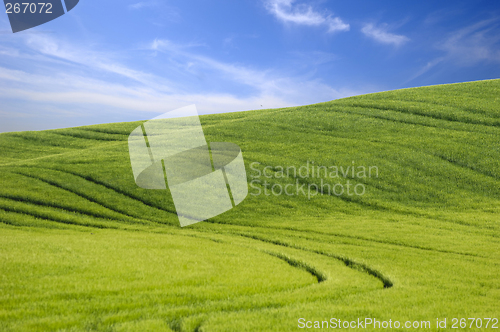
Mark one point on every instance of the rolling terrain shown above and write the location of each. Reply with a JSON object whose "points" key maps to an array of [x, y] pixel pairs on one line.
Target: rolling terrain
{"points": [[82, 248]]}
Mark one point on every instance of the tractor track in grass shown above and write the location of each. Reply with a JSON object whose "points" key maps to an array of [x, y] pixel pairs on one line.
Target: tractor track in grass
{"points": [[360, 267], [176, 323], [408, 121], [86, 138], [74, 152], [380, 207], [96, 130], [463, 165], [101, 184], [392, 243], [65, 209], [494, 124], [79, 194], [319, 275], [50, 219], [455, 105], [116, 190], [415, 122], [124, 193]]}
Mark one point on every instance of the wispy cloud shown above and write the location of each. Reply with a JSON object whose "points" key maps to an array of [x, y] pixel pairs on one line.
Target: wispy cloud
{"points": [[53, 48], [53, 75], [468, 46], [263, 82], [428, 66], [382, 35], [161, 11], [477, 42], [301, 14], [142, 4]]}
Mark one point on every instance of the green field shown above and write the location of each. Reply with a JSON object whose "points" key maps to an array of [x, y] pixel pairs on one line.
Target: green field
{"points": [[82, 248]]}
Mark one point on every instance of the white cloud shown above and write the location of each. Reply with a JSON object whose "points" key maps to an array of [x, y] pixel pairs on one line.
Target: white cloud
{"points": [[161, 12], [468, 46], [142, 4], [105, 61], [301, 14], [477, 42], [240, 74], [264, 82], [428, 66], [72, 89], [97, 85], [381, 35]]}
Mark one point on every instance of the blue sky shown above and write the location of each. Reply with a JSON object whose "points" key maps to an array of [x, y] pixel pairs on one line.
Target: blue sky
{"points": [[126, 60]]}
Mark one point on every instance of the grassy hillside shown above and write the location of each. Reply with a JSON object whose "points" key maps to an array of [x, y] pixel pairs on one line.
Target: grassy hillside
{"points": [[84, 249]]}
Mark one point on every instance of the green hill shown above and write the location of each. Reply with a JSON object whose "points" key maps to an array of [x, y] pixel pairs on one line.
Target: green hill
{"points": [[413, 234]]}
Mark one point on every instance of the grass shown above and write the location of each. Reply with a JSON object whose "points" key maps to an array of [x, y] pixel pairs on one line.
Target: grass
{"points": [[84, 249]]}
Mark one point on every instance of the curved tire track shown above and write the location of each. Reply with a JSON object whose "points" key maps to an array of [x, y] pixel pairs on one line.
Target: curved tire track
{"points": [[117, 190], [79, 194]]}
